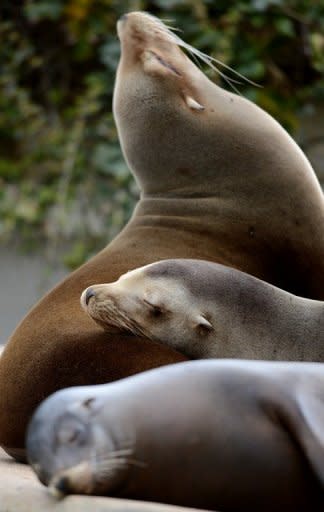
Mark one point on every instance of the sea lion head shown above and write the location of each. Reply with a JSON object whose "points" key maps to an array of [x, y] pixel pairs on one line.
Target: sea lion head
{"points": [[155, 301], [183, 135], [70, 450], [155, 89]]}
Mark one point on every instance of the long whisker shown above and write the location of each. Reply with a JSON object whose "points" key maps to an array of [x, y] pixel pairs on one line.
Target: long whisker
{"points": [[118, 456], [173, 29], [123, 321], [116, 453], [109, 463], [207, 59], [105, 466], [210, 60]]}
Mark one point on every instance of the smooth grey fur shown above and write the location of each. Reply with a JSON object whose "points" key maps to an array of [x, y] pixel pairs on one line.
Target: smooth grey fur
{"points": [[223, 435], [252, 319]]}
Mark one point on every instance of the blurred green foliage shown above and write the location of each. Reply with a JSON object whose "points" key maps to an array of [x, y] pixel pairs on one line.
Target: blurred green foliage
{"points": [[63, 181]]}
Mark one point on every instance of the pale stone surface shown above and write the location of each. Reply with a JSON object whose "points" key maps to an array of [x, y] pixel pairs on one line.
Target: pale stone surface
{"points": [[20, 491]]}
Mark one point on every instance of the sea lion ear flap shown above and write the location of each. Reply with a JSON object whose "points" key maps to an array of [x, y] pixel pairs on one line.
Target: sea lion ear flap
{"points": [[306, 424], [203, 324], [193, 104]]}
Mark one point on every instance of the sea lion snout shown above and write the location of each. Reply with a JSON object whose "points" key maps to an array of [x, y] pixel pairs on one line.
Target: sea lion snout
{"points": [[89, 293], [78, 478], [93, 294]]}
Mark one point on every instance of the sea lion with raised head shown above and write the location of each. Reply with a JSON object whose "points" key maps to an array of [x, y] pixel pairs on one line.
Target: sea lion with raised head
{"points": [[205, 309], [220, 180], [218, 434]]}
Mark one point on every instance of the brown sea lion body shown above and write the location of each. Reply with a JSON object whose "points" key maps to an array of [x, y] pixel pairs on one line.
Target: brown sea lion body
{"points": [[243, 436], [223, 183], [205, 309]]}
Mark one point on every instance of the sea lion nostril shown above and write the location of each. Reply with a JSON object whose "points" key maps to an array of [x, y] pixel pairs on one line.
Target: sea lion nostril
{"points": [[62, 485], [89, 293]]}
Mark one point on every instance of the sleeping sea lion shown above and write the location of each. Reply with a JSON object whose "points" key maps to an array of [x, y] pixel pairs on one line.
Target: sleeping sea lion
{"points": [[226, 435], [205, 309]]}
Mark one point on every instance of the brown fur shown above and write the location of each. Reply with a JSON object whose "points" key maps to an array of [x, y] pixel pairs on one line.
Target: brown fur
{"points": [[225, 184]]}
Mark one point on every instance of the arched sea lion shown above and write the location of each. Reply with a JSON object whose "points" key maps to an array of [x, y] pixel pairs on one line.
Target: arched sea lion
{"points": [[220, 180], [205, 309], [219, 434]]}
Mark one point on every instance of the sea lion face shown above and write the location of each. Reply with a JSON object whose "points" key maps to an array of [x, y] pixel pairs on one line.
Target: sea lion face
{"points": [[159, 307], [68, 449], [152, 82], [144, 41]]}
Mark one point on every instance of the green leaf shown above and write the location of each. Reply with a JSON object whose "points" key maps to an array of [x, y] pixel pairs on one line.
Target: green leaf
{"points": [[37, 11]]}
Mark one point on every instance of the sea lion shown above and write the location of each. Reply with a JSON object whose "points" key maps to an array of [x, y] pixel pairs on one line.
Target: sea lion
{"points": [[220, 180], [217, 434], [205, 309]]}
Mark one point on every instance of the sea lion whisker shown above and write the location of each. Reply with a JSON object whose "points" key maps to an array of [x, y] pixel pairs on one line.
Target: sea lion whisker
{"points": [[105, 469], [138, 463], [173, 29], [130, 324], [115, 454], [227, 78], [108, 464], [207, 59], [104, 466], [119, 319], [112, 315], [122, 462], [117, 458]]}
